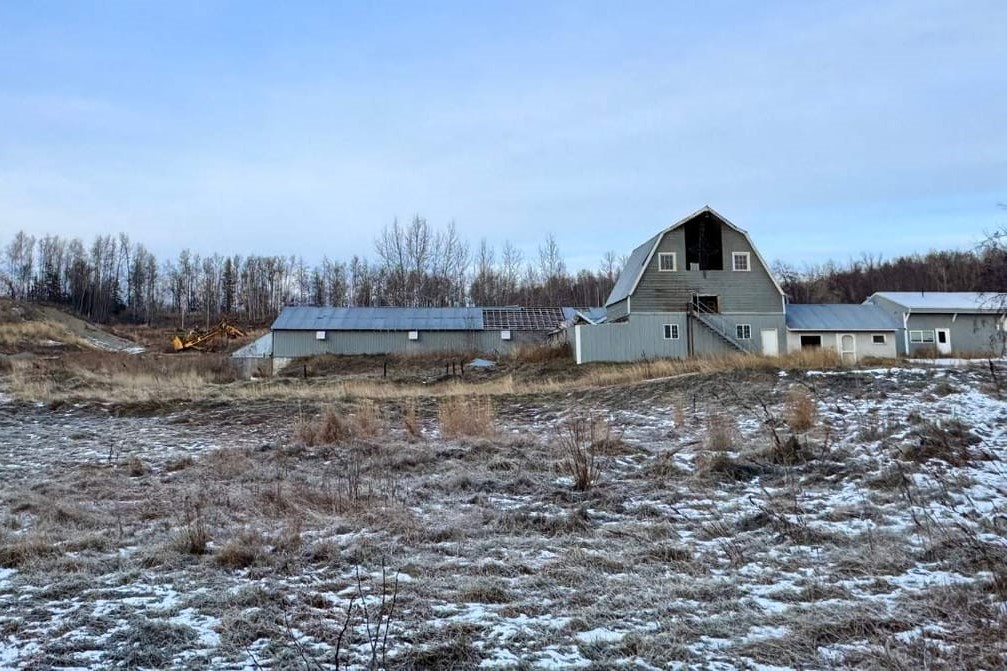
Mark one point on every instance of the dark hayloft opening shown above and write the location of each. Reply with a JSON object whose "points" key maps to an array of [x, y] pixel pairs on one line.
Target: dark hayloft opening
{"points": [[704, 246]]}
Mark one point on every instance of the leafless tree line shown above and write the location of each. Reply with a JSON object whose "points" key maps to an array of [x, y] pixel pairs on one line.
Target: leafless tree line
{"points": [[415, 264], [982, 270]]}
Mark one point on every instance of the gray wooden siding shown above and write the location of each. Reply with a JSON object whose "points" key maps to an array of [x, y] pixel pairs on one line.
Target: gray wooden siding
{"points": [[642, 337], [291, 344], [618, 310], [752, 291]]}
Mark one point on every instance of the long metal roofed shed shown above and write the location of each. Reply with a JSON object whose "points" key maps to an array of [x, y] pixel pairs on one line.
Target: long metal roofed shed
{"points": [[301, 331], [378, 319], [839, 317]]}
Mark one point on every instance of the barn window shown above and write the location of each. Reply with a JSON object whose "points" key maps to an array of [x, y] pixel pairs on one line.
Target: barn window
{"points": [[921, 336], [744, 331], [811, 341], [741, 261], [671, 331], [504, 335], [879, 339], [319, 335], [704, 246], [666, 262], [414, 335]]}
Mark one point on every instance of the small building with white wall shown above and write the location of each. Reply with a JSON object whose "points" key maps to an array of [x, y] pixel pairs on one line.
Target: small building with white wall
{"points": [[854, 332], [946, 323]]}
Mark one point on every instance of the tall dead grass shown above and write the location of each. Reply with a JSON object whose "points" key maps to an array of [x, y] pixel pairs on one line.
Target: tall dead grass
{"points": [[36, 334], [580, 441], [721, 432], [334, 426], [466, 416], [800, 410]]}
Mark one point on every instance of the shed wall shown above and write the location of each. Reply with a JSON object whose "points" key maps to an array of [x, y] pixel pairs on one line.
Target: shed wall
{"points": [[970, 333], [864, 343], [292, 344]]}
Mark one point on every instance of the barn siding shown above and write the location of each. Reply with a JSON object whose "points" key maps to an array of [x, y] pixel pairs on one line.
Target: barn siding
{"points": [[752, 291], [292, 344], [642, 337]]}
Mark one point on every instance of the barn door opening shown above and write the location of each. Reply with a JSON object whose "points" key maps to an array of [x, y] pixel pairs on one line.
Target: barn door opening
{"points": [[848, 348]]}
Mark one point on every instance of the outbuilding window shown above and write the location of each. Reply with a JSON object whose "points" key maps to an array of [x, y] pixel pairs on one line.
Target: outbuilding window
{"points": [[879, 339], [811, 341], [671, 331], [744, 331], [667, 262], [741, 261], [921, 336]]}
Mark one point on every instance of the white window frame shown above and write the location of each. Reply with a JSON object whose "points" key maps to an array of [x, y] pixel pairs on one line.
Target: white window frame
{"points": [[748, 262], [319, 335], [505, 334], [919, 337], [671, 332], [875, 341], [660, 262], [414, 335], [743, 331]]}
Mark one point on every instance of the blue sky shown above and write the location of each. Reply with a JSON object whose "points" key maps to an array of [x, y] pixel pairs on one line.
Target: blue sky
{"points": [[826, 129]]}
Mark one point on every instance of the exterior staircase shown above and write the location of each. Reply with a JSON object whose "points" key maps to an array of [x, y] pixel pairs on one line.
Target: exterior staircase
{"points": [[717, 324]]}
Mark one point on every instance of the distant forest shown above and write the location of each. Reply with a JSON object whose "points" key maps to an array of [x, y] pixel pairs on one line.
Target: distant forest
{"points": [[413, 265]]}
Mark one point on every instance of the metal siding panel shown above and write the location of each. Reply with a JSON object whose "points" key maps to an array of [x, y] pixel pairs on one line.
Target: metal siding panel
{"points": [[970, 334], [640, 338], [752, 291], [706, 342], [293, 344]]}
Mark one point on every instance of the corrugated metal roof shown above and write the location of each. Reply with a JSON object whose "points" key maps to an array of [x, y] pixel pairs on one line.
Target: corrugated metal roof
{"points": [[836, 317], [379, 319], [943, 301], [634, 266]]}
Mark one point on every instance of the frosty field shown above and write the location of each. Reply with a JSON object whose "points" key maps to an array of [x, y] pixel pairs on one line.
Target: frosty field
{"points": [[756, 519]]}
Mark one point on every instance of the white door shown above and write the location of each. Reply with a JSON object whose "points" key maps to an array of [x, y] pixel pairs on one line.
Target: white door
{"points": [[770, 343], [848, 348], [944, 341]]}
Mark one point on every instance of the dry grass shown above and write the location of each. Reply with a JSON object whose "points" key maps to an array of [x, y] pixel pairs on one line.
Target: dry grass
{"points": [[580, 440], [329, 428], [539, 353], [334, 426], [466, 416], [721, 432], [411, 419], [801, 410], [36, 334]]}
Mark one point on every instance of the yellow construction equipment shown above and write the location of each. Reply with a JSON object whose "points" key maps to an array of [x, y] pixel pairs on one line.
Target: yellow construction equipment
{"points": [[201, 339]]}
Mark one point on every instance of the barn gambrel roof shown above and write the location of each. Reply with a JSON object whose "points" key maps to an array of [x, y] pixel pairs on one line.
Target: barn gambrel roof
{"points": [[640, 258]]}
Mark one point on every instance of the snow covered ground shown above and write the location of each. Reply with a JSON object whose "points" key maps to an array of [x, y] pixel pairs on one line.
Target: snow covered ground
{"points": [[717, 536]]}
